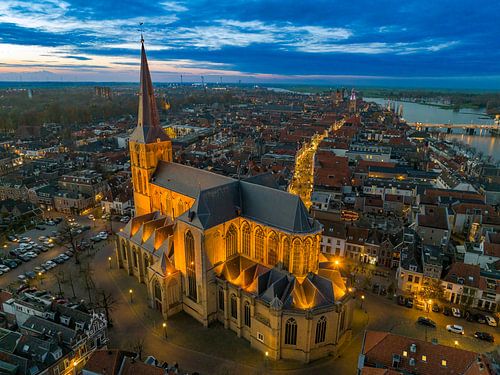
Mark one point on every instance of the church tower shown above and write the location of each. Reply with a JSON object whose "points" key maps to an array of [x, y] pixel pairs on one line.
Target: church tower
{"points": [[148, 143]]}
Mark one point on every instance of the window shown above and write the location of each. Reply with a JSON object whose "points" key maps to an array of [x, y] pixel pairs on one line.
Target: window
{"points": [[272, 255], [410, 278], [136, 259], [245, 232], [190, 266], [260, 337], [286, 254], [234, 307], [405, 353], [416, 280], [443, 362], [259, 245], [248, 321], [424, 358], [297, 257], [124, 252], [221, 300], [291, 332], [231, 241], [320, 330]]}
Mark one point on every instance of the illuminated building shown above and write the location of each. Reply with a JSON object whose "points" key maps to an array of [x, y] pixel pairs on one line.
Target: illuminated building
{"points": [[240, 252]]}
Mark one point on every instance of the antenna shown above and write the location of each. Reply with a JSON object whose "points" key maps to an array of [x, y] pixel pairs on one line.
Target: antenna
{"points": [[141, 29]]}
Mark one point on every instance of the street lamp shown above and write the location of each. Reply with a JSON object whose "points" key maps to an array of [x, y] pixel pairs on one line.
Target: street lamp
{"points": [[109, 261], [164, 325], [362, 300], [429, 302], [41, 279], [130, 291], [93, 220]]}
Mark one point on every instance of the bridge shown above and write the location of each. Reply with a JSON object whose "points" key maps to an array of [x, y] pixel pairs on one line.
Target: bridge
{"points": [[469, 128]]}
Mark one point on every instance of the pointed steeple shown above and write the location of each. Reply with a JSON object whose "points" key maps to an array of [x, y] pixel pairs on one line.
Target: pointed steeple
{"points": [[148, 128]]}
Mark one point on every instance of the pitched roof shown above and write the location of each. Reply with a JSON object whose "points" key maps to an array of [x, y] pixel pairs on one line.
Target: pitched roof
{"points": [[380, 347]]}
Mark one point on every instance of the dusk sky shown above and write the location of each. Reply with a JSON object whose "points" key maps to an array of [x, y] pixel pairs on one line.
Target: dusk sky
{"points": [[396, 43]]}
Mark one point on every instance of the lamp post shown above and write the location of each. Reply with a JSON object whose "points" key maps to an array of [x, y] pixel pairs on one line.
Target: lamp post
{"points": [[93, 220], [362, 300], [109, 261], [41, 278], [265, 360], [164, 325], [131, 292]]}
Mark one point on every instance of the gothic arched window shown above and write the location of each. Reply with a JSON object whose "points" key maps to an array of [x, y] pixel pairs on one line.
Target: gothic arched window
{"points": [[291, 332], [320, 330], [272, 249], [259, 245], [245, 239], [286, 254], [231, 241], [190, 265], [297, 257]]}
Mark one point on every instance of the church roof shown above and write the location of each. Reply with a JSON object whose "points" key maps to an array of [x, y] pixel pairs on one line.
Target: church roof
{"points": [[148, 128], [280, 289], [219, 199]]}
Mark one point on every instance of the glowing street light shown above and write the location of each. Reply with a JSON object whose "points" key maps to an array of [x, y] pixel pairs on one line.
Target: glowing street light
{"points": [[109, 261], [131, 292], [41, 279], [362, 300], [164, 325]]}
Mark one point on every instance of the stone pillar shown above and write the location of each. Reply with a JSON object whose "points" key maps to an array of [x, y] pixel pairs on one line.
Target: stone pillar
{"points": [[309, 330], [226, 306], [239, 325]]}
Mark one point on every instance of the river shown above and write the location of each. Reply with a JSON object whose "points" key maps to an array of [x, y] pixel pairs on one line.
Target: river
{"points": [[416, 112]]}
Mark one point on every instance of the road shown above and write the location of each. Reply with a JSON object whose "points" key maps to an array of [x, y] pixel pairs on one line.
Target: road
{"points": [[303, 177]]}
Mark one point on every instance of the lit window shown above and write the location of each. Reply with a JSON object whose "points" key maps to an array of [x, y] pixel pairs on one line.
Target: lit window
{"points": [[424, 358], [443, 362], [405, 353]]}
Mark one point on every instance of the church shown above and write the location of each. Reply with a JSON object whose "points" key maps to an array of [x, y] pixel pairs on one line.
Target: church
{"points": [[239, 252]]}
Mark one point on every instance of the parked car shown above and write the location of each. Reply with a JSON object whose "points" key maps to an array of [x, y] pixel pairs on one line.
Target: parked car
{"points": [[409, 303], [12, 238], [51, 223], [68, 253], [420, 305], [91, 217], [125, 219], [456, 312], [152, 361], [38, 269], [21, 277], [40, 227], [4, 268], [426, 322], [30, 274], [490, 321], [10, 263], [455, 329], [446, 311], [484, 336], [401, 300], [435, 307]]}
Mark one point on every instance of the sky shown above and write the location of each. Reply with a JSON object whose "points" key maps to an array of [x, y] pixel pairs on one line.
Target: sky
{"points": [[410, 43]]}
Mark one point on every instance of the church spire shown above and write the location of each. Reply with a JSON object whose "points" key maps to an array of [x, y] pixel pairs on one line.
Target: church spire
{"points": [[148, 121]]}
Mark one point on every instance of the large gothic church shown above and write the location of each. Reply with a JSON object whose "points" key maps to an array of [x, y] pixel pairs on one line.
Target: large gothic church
{"points": [[239, 252]]}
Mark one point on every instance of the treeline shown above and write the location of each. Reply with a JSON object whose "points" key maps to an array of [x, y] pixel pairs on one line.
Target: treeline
{"points": [[488, 100], [80, 105]]}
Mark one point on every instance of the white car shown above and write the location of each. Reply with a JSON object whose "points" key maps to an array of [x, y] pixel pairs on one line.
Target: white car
{"points": [[42, 238], [456, 312], [490, 320], [91, 217], [31, 254], [21, 277], [4, 268], [455, 329]]}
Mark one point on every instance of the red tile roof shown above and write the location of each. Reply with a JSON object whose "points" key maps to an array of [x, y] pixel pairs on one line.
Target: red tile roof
{"points": [[380, 347]]}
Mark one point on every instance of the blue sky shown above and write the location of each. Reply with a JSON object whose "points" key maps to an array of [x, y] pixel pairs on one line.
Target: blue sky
{"points": [[437, 43]]}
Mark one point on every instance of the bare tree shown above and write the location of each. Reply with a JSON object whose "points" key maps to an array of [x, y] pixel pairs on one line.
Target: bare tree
{"points": [[108, 303], [137, 346], [69, 239]]}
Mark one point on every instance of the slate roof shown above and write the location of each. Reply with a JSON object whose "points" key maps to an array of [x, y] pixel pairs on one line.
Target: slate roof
{"points": [[279, 288], [186, 180]]}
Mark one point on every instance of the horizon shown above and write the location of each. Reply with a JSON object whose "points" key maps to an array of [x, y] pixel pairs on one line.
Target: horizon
{"points": [[263, 42]]}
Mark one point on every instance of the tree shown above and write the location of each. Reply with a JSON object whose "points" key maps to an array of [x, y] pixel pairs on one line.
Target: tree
{"points": [[138, 347], [432, 289], [107, 302], [69, 239]]}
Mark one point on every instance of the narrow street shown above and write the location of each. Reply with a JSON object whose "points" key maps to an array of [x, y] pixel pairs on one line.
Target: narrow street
{"points": [[303, 178]]}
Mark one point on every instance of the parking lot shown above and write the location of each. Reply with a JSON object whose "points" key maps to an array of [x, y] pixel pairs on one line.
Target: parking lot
{"points": [[40, 251]]}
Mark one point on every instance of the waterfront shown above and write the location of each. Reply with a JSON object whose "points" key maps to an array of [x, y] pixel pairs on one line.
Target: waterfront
{"points": [[416, 112]]}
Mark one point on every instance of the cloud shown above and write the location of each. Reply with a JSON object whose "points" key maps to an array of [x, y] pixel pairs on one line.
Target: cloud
{"points": [[174, 6], [82, 58]]}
